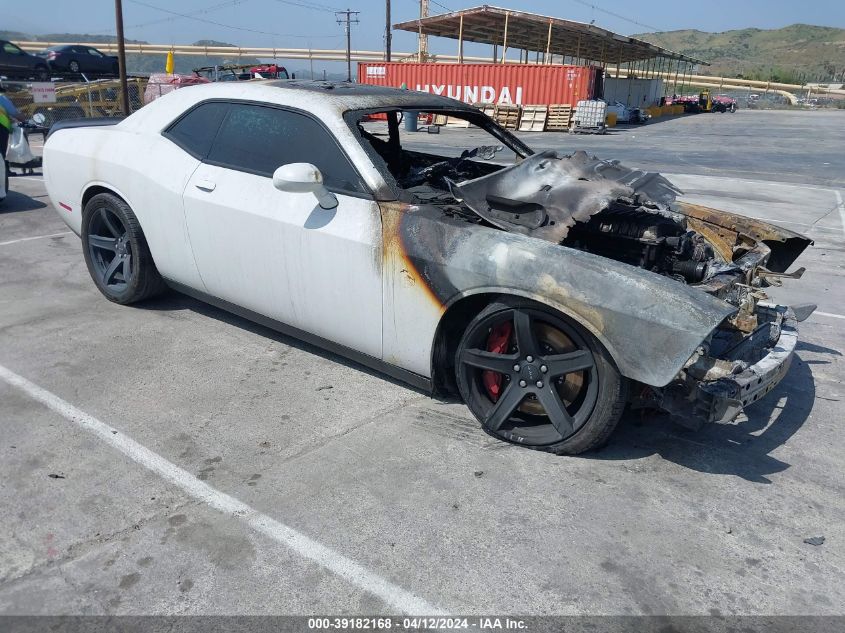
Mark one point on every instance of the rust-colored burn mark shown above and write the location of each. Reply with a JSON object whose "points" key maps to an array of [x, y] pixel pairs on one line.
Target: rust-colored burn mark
{"points": [[730, 233], [395, 254], [722, 241], [722, 229], [737, 224]]}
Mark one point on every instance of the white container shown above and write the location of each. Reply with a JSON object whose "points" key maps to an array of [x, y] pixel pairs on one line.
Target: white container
{"points": [[590, 114]]}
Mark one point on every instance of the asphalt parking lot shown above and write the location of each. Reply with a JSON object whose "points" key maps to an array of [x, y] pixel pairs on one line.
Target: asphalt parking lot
{"points": [[213, 466]]}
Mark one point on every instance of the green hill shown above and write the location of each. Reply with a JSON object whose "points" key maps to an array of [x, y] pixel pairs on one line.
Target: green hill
{"points": [[136, 63], [794, 54]]}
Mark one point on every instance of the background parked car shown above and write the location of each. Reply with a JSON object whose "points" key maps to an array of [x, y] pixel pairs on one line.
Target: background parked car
{"points": [[17, 63], [79, 59]]}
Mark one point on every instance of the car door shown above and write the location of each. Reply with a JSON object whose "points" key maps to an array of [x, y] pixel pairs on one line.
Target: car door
{"points": [[280, 254], [96, 61], [13, 59]]}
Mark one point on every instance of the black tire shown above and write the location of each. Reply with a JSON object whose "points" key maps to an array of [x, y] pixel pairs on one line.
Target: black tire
{"points": [[570, 373], [42, 73], [116, 251], [73, 66]]}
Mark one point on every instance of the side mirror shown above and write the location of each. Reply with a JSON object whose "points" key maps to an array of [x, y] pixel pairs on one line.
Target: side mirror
{"points": [[304, 178]]}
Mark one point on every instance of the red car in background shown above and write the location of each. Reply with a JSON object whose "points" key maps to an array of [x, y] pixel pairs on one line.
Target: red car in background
{"points": [[269, 71]]}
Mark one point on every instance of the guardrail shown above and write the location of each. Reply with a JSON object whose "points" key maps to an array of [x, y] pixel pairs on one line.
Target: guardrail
{"points": [[319, 54]]}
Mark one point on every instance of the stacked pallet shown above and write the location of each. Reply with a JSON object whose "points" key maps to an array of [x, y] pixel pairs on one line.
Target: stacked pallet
{"points": [[533, 118], [486, 108], [507, 116], [456, 122], [559, 117]]}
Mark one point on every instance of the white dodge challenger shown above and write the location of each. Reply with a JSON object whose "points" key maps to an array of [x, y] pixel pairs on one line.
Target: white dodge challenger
{"points": [[550, 292]]}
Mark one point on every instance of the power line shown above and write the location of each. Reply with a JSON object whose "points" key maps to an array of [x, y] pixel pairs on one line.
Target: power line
{"points": [[214, 7], [442, 6], [231, 3], [615, 15], [228, 26], [311, 5]]}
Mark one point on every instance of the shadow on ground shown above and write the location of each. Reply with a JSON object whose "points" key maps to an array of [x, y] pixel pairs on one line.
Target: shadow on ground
{"points": [[174, 301], [742, 448], [17, 201]]}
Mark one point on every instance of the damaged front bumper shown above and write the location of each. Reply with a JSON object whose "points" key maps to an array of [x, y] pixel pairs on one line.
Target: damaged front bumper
{"points": [[692, 403]]}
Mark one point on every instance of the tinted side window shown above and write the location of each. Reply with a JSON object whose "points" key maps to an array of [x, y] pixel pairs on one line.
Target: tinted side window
{"points": [[261, 139], [195, 131]]}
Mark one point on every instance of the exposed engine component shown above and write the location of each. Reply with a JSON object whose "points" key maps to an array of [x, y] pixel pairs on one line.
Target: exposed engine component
{"points": [[646, 239]]}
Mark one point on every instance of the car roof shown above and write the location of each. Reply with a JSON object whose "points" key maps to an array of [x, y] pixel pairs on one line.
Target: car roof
{"points": [[354, 96], [325, 99]]}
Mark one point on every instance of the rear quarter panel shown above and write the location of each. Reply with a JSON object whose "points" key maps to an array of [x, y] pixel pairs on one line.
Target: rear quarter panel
{"points": [[145, 169]]}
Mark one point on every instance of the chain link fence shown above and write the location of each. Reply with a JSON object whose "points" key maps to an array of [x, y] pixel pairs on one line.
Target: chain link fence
{"points": [[60, 101]]}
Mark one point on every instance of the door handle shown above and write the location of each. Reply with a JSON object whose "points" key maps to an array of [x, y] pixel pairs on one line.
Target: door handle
{"points": [[205, 185]]}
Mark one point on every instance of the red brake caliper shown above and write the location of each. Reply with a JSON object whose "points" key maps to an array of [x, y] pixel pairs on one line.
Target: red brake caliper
{"points": [[497, 343]]}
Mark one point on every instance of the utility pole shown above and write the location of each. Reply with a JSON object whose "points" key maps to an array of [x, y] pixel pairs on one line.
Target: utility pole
{"points": [[347, 20], [387, 35], [121, 55], [423, 43]]}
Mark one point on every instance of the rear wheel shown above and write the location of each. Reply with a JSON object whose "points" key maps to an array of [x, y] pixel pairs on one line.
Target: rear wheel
{"points": [[73, 66], [534, 378], [42, 73], [116, 251]]}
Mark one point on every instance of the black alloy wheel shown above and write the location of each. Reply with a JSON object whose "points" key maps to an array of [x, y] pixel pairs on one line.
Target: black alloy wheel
{"points": [[110, 250], [116, 251], [535, 378], [73, 66]]}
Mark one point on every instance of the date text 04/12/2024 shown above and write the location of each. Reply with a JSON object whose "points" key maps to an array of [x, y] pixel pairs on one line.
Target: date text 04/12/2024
{"points": [[480, 623]]}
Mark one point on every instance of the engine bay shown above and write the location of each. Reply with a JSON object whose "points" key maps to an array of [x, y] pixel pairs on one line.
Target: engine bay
{"points": [[577, 201], [628, 228], [646, 239]]}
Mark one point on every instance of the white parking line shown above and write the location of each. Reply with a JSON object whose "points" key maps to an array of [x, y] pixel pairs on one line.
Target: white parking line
{"points": [[327, 558], [829, 314], [841, 207], [36, 237]]}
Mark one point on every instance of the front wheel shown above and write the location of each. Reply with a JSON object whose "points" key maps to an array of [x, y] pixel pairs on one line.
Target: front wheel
{"points": [[534, 378], [116, 251]]}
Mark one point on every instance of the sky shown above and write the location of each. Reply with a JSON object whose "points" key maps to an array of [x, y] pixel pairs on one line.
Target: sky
{"points": [[312, 23]]}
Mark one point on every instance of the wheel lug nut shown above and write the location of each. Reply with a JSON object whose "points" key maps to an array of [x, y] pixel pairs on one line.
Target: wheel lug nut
{"points": [[522, 383], [530, 359], [516, 367], [539, 383], [544, 369]]}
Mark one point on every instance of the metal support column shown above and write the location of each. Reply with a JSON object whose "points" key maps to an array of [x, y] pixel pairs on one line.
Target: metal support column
{"points": [[505, 39]]}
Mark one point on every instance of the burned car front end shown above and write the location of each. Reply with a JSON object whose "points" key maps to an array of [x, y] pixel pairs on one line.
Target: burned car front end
{"points": [[631, 216], [750, 352], [674, 291]]}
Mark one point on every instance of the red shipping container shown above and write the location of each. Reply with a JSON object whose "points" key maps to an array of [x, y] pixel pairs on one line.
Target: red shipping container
{"points": [[522, 84]]}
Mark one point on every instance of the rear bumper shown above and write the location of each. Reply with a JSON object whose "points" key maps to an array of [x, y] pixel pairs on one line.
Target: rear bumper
{"points": [[722, 400]]}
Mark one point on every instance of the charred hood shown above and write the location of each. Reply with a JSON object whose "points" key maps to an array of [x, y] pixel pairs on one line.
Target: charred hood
{"points": [[548, 193]]}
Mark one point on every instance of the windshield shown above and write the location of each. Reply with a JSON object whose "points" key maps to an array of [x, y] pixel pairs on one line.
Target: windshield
{"points": [[417, 153]]}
